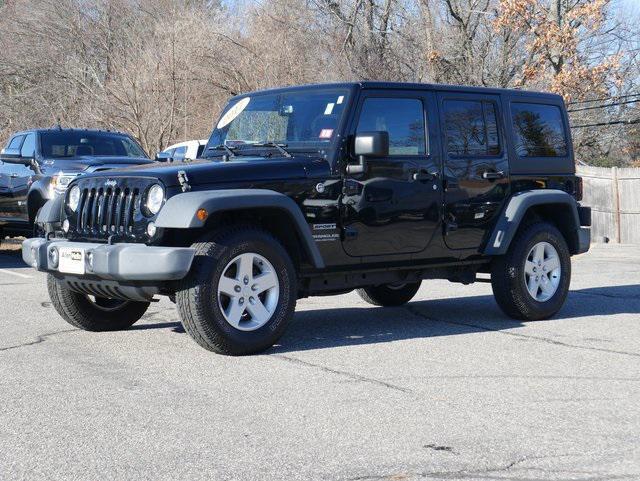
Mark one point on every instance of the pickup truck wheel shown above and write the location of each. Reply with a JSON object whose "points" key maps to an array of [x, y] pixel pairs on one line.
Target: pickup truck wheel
{"points": [[91, 313], [240, 294], [532, 280], [388, 295]]}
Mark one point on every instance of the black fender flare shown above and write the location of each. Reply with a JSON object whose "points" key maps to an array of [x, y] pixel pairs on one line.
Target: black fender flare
{"points": [[42, 188], [179, 212], [514, 211]]}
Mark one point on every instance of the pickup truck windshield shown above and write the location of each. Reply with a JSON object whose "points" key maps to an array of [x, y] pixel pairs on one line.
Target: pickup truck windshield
{"points": [[298, 120], [93, 144]]}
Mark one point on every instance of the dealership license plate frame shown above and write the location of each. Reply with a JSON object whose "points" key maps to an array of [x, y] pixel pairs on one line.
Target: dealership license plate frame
{"points": [[72, 260]]}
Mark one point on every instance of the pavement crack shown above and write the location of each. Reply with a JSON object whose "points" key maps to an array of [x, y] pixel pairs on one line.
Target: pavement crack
{"points": [[351, 375], [456, 474], [609, 296], [38, 340], [417, 313]]}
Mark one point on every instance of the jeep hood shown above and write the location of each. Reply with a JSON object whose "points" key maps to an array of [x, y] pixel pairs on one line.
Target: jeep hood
{"points": [[243, 170]]}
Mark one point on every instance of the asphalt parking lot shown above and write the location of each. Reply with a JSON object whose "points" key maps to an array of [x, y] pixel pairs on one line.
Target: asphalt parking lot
{"points": [[444, 388]]}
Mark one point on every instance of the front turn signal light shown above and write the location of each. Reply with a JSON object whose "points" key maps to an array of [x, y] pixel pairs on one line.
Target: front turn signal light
{"points": [[202, 214]]}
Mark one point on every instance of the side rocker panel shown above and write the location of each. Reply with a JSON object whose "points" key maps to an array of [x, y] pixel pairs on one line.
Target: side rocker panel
{"points": [[510, 219], [180, 211]]}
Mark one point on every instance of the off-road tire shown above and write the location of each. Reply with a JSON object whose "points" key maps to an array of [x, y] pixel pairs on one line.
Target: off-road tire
{"points": [[197, 295], [507, 274], [387, 296], [79, 311]]}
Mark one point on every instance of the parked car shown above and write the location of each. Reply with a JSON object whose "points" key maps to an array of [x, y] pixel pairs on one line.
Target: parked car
{"points": [[36, 165], [318, 190], [189, 150]]}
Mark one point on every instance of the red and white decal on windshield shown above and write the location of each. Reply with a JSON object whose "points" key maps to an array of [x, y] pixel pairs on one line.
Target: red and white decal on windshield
{"points": [[326, 133]]}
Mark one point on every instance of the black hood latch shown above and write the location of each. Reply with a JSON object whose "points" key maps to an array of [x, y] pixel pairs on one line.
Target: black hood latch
{"points": [[184, 181]]}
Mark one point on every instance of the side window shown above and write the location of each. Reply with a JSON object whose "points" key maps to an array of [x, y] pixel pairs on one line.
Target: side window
{"points": [[539, 130], [402, 118], [179, 153], [29, 146], [15, 143], [200, 150], [471, 127]]}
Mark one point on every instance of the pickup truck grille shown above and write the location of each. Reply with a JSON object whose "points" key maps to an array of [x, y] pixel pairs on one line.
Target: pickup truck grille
{"points": [[111, 207], [106, 210]]}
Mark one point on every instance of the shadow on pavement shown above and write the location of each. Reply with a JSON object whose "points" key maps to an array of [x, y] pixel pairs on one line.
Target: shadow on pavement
{"points": [[319, 329], [326, 328], [11, 254]]}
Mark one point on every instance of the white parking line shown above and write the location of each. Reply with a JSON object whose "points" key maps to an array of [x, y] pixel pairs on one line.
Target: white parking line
{"points": [[17, 274]]}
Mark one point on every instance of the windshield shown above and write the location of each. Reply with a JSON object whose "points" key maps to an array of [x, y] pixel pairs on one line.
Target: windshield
{"points": [[299, 120], [94, 144]]}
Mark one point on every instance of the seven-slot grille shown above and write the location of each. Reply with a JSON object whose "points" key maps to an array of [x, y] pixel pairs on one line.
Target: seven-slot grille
{"points": [[107, 210], [111, 206]]}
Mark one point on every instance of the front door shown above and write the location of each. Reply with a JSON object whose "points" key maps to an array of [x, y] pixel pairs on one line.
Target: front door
{"points": [[476, 167], [394, 206]]}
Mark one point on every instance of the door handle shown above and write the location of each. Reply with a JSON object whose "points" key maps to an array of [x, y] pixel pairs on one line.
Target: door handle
{"points": [[493, 175], [13, 175], [423, 176]]}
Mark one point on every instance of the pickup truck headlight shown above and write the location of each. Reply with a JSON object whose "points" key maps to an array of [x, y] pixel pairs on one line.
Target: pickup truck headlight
{"points": [[61, 181], [155, 197], [73, 198]]}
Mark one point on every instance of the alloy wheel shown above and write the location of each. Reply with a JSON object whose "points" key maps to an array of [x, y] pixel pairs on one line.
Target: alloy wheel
{"points": [[248, 291], [542, 271]]}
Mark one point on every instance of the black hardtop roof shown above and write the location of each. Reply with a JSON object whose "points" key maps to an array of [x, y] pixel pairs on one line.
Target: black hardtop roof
{"points": [[411, 86]]}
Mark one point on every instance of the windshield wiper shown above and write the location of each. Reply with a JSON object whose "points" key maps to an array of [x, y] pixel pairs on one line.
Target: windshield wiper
{"points": [[228, 154], [280, 147], [229, 151]]}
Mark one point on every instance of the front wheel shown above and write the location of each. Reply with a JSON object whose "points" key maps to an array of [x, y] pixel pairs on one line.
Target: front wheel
{"points": [[241, 292], [532, 280], [92, 313]]}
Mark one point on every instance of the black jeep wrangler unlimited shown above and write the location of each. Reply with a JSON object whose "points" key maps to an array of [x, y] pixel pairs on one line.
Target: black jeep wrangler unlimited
{"points": [[318, 190]]}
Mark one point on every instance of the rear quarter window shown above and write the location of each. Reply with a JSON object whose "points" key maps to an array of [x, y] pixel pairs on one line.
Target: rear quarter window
{"points": [[539, 130]]}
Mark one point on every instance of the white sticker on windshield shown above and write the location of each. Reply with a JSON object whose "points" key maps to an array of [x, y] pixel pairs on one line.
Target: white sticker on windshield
{"points": [[340, 99], [233, 112], [329, 108]]}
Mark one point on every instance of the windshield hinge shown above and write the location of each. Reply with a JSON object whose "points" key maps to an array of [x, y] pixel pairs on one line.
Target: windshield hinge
{"points": [[184, 181]]}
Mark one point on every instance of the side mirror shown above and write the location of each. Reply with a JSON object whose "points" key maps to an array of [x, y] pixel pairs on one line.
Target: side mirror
{"points": [[12, 156], [163, 157], [368, 144]]}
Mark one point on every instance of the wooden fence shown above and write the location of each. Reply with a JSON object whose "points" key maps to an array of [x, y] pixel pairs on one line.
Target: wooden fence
{"points": [[614, 197]]}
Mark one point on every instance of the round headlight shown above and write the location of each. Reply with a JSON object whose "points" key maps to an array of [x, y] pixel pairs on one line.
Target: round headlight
{"points": [[155, 196], [74, 198]]}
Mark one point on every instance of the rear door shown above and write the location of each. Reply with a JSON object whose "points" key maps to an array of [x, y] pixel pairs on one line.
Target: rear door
{"points": [[23, 178], [10, 171], [476, 167], [5, 191]]}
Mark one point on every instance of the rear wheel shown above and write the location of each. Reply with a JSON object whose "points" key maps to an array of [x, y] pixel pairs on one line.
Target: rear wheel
{"points": [[388, 295], [532, 280], [92, 313], [241, 292]]}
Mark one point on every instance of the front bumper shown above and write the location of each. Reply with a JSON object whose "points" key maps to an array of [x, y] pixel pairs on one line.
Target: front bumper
{"points": [[127, 263]]}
